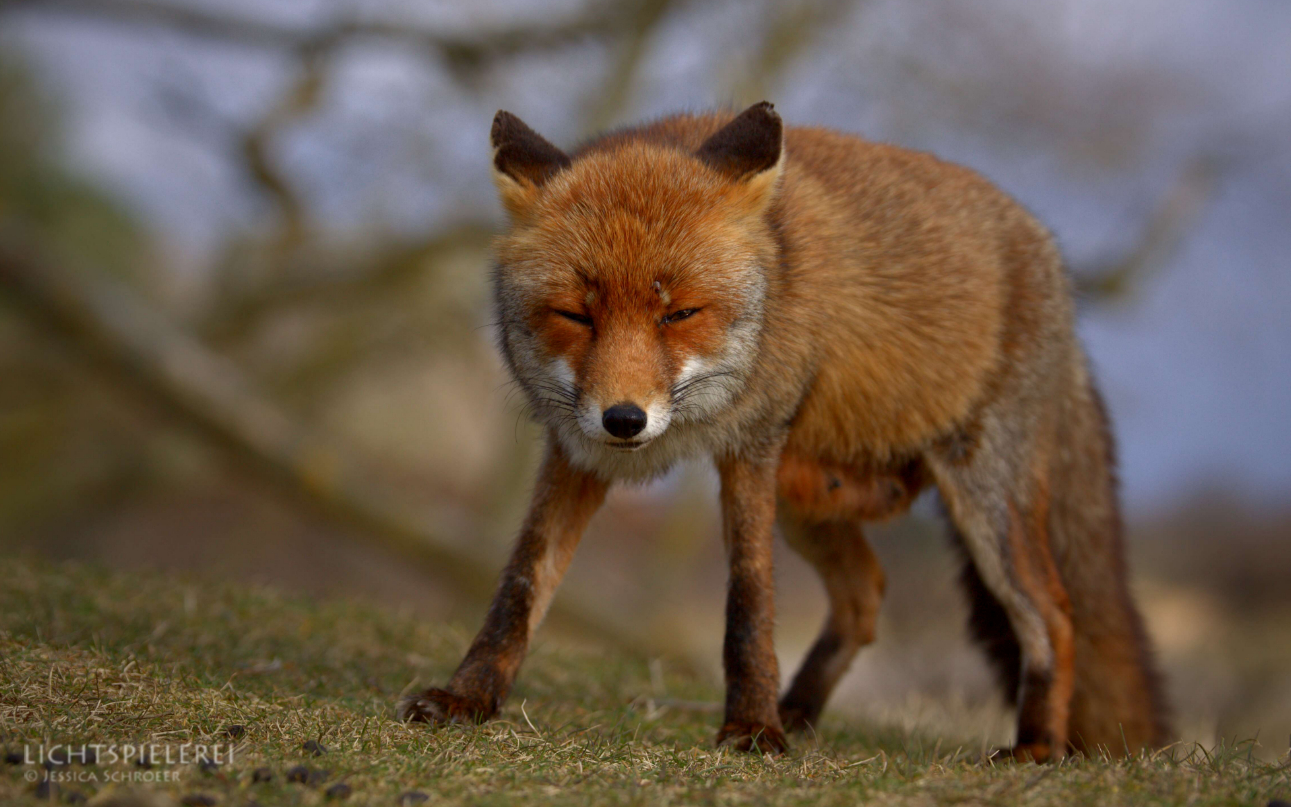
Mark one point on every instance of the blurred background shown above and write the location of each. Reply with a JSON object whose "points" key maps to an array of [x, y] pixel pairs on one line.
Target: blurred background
{"points": [[244, 316]]}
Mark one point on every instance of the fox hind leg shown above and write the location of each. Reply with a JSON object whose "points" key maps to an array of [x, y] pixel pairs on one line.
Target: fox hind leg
{"points": [[854, 583], [824, 504], [1008, 545]]}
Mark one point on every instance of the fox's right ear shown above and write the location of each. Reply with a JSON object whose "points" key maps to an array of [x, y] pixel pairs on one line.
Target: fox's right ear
{"points": [[750, 150], [522, 161]]}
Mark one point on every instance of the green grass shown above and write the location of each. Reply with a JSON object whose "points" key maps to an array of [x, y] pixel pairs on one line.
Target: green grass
{"points": [[90, 656]]}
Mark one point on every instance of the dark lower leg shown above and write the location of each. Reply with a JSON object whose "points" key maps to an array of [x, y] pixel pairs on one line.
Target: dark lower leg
{"points": [[805, 700]]}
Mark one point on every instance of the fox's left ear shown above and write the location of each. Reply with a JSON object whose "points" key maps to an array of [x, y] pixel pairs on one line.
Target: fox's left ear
{"points": [[750, 150], [522, 161]]}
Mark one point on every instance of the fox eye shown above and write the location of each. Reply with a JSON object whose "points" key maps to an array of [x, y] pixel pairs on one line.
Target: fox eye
{"points": [[678, 316], [581, 319]]}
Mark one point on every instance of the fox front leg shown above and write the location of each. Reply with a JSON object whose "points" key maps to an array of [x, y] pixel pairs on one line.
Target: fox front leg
{"points": [[752, 721], [564, 500]]}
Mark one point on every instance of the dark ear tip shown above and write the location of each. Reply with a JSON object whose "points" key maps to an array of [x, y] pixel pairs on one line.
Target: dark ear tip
{"points": [[762, 116], [502, 121], [763, 109]]}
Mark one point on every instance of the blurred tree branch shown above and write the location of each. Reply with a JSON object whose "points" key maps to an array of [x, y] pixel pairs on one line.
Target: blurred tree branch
{"points": [[465, 48], [298, 100], [1166, 229], [618, 84], [795, 28], [389, 268], [315, 45], [120, 335]]}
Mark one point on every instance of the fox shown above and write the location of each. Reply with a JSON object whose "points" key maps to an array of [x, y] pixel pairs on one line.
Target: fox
{"points": [[839, 325]]}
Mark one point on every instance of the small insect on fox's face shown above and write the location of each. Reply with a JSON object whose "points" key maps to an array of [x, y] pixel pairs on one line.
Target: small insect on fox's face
{"points": [[630, 287]]}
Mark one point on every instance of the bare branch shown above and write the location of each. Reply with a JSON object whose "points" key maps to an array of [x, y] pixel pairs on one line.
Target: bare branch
{"points": [[242, 30], [1161, 237], [789, 34], [614, 93], [237, 314], [315, 44], [297, 100]]}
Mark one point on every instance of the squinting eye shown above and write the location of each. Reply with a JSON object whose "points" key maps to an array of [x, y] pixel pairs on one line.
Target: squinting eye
{"points": [[581, 319], [678, 316]]}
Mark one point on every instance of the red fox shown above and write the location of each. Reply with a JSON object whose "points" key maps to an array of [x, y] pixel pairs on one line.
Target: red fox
{"points": [[838, 324]]}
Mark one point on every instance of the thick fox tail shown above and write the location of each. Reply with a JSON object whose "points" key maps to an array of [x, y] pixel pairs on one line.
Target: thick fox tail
{"points": [[1118, 705]]}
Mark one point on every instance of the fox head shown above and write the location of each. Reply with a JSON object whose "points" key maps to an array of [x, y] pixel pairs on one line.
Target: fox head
{"points": [[631, 283]]}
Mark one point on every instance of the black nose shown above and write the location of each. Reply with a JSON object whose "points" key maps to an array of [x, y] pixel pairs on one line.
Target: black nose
{"points": [[624, 420]]}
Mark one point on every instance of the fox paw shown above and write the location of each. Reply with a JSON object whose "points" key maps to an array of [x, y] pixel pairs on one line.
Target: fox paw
{"points": [[441, 706], [743, 735]]}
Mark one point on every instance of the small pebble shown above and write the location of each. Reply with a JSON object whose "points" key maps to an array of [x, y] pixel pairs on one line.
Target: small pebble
{"points": [[208, 767], [340, 790], [307, 776], [410, 797], [261, 775], [14, 758], [198, 800], [314, 748], [235, 731], [144, 762], [89, 757]]}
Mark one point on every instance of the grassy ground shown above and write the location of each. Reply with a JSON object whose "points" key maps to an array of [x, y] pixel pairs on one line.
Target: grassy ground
{"points": [[88, 656]]}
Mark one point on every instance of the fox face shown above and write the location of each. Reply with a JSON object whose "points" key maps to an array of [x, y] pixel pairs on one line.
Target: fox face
{"points": [[630, 291]]}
